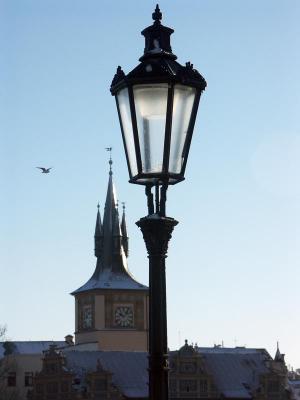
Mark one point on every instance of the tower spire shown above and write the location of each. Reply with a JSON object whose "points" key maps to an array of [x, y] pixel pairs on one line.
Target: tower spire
{"points": [[111, 246], [98, 237], [111, 225], [125, 238]]}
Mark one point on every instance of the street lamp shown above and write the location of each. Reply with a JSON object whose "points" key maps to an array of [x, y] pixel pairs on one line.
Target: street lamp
{"points": [[157, 104]]}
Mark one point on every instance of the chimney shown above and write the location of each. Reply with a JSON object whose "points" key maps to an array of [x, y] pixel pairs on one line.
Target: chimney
{"points": [[69, 340]]}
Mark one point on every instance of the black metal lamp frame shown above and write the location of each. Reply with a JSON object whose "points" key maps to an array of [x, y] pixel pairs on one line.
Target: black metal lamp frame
{"points": [[158, 66]]}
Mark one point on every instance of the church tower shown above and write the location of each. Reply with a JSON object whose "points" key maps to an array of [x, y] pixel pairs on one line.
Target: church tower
{"points": [[112, 307]]}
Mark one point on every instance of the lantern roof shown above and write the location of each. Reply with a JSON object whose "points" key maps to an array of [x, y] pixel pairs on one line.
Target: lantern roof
{"points": [[158, 64]]}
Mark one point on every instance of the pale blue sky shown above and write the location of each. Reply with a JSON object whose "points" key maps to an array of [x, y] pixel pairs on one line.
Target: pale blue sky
{"points": [[233, 265]]}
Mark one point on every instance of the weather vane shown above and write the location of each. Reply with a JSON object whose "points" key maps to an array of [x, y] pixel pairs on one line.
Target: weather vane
{"points": [[110, 160]]}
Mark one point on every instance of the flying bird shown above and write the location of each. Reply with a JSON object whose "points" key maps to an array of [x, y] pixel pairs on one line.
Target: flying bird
{"points": [[44, 170]]}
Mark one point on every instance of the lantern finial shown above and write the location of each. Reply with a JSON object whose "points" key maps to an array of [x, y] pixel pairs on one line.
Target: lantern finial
{"points": [[119, 76], [157, 15], [157, 38]]}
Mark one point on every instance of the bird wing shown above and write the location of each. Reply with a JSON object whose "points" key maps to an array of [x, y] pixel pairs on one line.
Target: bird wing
{"points": [[42, 168]]}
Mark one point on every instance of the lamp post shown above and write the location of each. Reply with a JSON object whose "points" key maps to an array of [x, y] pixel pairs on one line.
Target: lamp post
{"points": [[157, 104]]}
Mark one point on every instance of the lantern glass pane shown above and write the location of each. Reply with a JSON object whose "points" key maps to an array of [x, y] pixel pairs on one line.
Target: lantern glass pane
{"points": [[184, 97], [151, 108], [125, 115]]}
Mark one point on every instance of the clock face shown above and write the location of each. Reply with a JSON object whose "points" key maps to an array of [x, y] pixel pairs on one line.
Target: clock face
{"points": [[124, 316]]}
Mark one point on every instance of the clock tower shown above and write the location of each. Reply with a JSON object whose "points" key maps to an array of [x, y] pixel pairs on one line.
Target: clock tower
{"points": [[111, 308]]}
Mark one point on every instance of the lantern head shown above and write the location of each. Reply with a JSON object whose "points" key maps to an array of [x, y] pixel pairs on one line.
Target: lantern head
{"points": [[157, 105]]}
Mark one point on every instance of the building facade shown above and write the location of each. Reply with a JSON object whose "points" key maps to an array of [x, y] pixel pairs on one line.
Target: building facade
{"points": [[232, 373], [18, 363], [195, 373]]}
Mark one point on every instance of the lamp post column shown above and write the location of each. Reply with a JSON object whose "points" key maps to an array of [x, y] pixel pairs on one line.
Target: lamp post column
{"points": [[157, 231], [157, 104]]}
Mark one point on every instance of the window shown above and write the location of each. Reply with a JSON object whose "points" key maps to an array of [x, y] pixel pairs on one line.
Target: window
{"points": [[203, 385], [173, 385], [188, 385], [11, 379], [172, 366], [87, 317], [39, 388], [188, 367], [51, 368], [273, 386], [52, 387], [64, 387], [86, 309], [28, 379], [100, 384]]}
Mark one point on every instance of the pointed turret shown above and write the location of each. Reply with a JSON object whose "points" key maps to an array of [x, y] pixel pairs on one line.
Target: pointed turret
{"points": [[111, 228], [98, 237], [279, 357], [117, 235], [125, 238], [111, 248]]}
